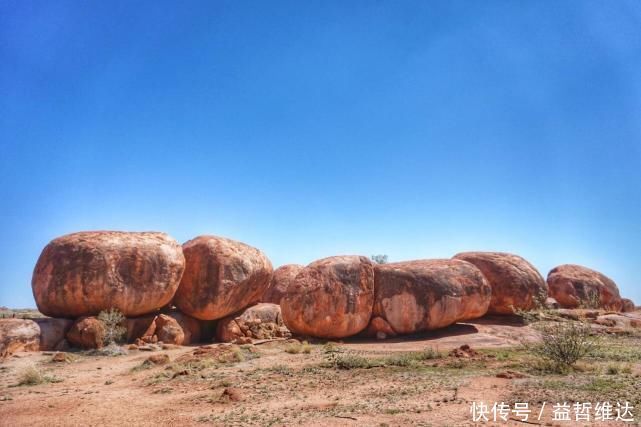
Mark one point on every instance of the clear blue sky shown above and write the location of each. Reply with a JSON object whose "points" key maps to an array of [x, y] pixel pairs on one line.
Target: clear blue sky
{"points": [[312, 128]]}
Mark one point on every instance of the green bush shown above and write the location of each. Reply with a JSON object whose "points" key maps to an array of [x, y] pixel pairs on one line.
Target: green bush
{"points": [[563, 344], [113, 321]]}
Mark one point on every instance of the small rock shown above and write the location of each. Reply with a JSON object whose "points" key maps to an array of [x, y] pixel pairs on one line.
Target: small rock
{"points": [[510, 375], [232, 394]]}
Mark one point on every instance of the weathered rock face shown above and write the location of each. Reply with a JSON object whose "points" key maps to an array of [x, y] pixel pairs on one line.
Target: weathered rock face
{"points": [[330, 298], [515, 283], [87, 333], [422, 295], [168, 330], [52, 332], [283, 276], [18, 335], [84, 273], [627, 305], [221, 277], [261, 321], [575, 285]]}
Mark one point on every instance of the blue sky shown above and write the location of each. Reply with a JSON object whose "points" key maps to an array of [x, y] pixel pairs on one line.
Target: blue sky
{"points": [[308, 129]]}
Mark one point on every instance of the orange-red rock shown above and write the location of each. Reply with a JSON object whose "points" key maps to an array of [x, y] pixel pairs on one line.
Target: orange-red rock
{"points": [[420, 295], [168, 330], [330, 298], [574, 285], [283, 276], [516, 284], [52, 332], [261, 321], [627, 305], [84, 273], [87, 333], [192, 328], [146, 327], [18, 335], [221, 277]]}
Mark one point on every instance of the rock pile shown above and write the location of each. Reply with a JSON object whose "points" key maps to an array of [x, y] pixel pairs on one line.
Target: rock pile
{"points": [[213, 278]]}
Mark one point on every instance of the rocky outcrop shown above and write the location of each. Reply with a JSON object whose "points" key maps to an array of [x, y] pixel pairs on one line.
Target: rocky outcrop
{"points": [[261, 321], [330, 298], [18, 335], [87, 333], [516, 284], [221, 277], [577, 286], [421, 295], [84, 273], [281, 279], [627, 305]]}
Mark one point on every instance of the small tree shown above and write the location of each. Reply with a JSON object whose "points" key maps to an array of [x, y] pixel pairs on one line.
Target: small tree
{"points": [[113, 321], [563, 343], [379, 259]]}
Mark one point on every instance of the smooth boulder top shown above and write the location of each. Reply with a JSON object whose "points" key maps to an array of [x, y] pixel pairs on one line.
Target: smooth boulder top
{"points": [[516, 284], [222, 276], [83, 273], [413, 296], [281, 279], [330, 298], [574, 285]]}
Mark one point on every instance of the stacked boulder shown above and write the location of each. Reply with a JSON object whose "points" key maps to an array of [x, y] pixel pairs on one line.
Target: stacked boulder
{"points": [[141, 275]]}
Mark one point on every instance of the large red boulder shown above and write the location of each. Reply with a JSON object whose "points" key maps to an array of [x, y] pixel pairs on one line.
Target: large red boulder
{"points": [[330, 298], [574, 286], [260, 321], [87, 333], [18, 335], [283, 276], [84, 273], [421, 295], [221, 277], [516, 284]]}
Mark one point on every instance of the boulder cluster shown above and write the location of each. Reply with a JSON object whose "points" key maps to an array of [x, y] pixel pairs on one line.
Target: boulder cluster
{"points": [[217, 288]]}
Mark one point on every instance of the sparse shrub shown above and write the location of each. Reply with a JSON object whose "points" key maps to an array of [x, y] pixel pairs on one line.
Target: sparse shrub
{"points": [[110, 350], [113, 321], [562, 344], [296, 348], [455, 364], [33, 376], [379, 259], [293, 348], [30, 376]]}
